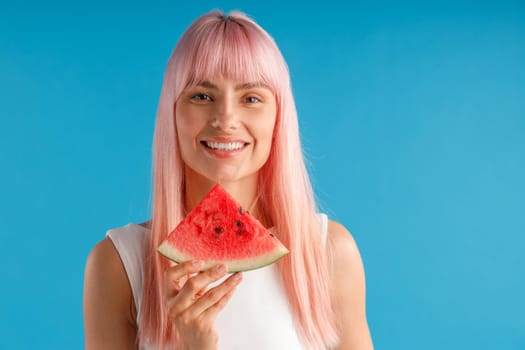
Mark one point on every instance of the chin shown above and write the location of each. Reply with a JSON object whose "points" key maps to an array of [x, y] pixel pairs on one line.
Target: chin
{"points": [[217, 175]]}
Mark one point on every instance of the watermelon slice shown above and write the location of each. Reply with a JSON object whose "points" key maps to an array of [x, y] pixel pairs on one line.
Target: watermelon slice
{"points": [[218, 230]]}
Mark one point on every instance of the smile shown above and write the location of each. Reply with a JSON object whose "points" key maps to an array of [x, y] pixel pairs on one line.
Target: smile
{"points": [[223, 146]]}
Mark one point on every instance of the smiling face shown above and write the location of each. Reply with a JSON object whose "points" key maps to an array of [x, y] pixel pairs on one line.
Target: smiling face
{"points": [[225, 128]]}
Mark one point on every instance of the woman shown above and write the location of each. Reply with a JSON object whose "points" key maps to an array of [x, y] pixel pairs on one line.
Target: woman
{"points": [[226, 114]]}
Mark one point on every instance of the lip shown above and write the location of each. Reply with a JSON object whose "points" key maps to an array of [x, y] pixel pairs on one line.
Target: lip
{"points": [[223, 153]]}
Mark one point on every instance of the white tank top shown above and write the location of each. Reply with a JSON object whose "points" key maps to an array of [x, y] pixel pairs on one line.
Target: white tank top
{"points": [[257, 317]]}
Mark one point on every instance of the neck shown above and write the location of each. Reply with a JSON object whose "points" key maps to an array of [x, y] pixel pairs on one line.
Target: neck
{"points": [[243, 190]]}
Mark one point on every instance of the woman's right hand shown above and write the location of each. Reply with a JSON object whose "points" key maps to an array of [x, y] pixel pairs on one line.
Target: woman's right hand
{"points": [[193, 307]]}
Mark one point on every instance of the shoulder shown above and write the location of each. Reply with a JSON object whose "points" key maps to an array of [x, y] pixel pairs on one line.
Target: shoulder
{"points": [[104, 261], [107, 301], [346, 264], [345, 259], [105, 275], [342, 244], [348, 288]]}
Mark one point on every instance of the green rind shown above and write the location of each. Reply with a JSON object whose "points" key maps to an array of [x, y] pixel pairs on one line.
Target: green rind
{"points": [[238, 265]]}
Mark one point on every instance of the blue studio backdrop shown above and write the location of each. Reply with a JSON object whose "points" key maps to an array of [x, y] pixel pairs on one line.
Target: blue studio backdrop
{"points": [[412, 117]]}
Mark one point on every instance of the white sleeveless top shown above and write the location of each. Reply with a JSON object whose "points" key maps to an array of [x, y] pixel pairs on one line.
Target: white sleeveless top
{"points": [[257, 317]]}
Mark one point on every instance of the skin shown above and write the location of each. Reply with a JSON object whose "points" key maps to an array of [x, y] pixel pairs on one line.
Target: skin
{"points": [[216, 110], [223, 110], [348, 289]]}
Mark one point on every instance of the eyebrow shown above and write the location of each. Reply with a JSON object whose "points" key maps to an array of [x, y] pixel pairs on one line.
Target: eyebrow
{"points": [[210, 85]]}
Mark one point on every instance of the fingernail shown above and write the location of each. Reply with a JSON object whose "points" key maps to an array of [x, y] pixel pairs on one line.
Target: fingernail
{"points": [[197, 264], [221, 268], [237, 277]]}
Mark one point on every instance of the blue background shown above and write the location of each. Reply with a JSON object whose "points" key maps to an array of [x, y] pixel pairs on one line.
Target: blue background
{"points": [[412, 116]]}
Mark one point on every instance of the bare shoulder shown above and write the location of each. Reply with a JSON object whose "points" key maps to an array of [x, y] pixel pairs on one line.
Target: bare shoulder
{"points": [[348, 288], [347, 269], [107, 300], [104, 265], [346, 262], [342, 243], [103, 253]]}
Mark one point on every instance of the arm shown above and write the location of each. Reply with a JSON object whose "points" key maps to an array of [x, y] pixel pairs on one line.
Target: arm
{"points": [[109, 311], [348, 290]]}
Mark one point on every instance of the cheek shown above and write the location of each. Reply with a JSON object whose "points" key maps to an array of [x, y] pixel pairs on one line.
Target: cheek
{"points": [[181, 121], [269, 125], [185, 135], [266, 130], [186, 126]]}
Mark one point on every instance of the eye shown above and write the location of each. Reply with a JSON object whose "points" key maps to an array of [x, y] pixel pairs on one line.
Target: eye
{"points": [[201, 97], [252, 99]]}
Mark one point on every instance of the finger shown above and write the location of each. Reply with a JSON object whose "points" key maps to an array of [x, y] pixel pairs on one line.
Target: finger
{"points": [[176, 276], [187, 295], [214, 296], [201, 292], [171, 300], [179, 283], [187, 277]]}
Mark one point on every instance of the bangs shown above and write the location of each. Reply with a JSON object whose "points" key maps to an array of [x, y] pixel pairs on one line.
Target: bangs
{"points": [[229, 49]]}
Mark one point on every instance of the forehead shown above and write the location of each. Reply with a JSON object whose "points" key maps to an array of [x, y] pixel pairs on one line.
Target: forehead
{"points": [[250, 76], [216, 84]]}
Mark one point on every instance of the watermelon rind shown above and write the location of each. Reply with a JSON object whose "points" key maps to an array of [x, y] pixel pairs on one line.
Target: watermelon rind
{"points": [[237, 265]]}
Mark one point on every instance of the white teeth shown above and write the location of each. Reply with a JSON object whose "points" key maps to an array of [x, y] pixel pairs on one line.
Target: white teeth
{"points": [[230, 146]]}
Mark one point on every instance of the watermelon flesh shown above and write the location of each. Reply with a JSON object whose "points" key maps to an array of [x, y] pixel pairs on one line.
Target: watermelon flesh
{"points": [[219, 231]]}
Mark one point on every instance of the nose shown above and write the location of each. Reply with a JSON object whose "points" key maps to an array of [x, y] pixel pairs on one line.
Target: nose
{"points": [[225, 116]]}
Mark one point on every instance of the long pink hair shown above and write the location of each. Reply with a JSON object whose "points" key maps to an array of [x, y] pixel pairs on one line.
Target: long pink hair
{"points": [[236, 47]]}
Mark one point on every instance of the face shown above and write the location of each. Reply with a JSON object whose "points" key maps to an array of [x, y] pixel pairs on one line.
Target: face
{"points": [[225, 128]]}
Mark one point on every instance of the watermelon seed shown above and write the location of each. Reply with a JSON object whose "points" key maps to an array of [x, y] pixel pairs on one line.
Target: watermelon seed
{"points": [[238, 223], [240, 231], [219, 230], [240, 210]]}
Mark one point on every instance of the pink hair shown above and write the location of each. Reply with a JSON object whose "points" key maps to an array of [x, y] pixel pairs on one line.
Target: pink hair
{"points": [[236, 47]]}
